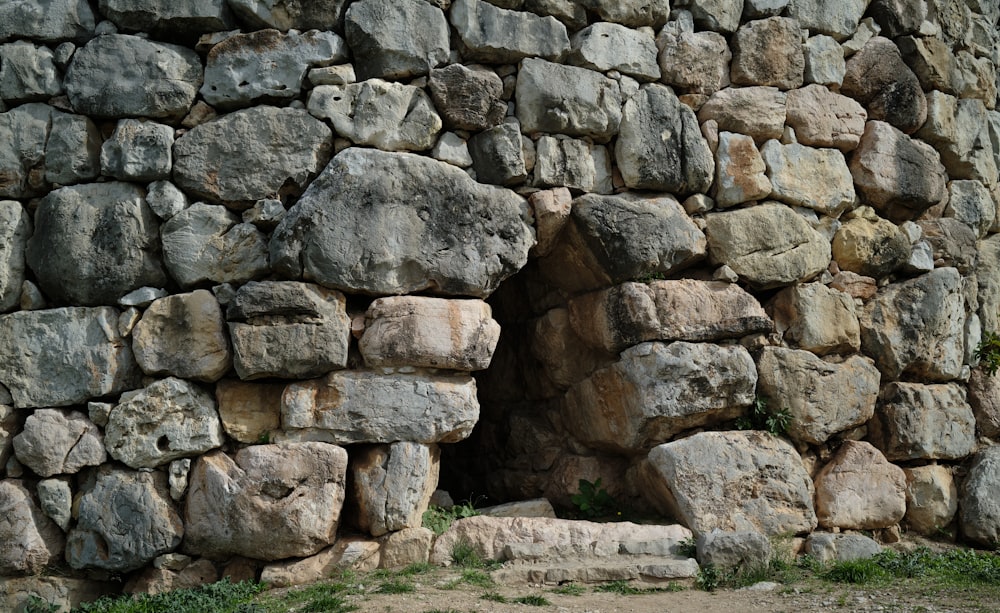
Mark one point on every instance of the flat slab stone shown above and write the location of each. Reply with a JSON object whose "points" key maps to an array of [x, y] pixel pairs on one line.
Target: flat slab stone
{"points": [[567, 100], [495, 35]]}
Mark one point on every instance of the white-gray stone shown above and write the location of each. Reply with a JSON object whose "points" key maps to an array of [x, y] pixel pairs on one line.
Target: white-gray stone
{"points": [[15, 228], [496, 35], [827, 547], [387, 45], [971, 203], [814, 178], [169, 17], [573, 163], [739, 171], [825, 62], [716, 15], [56, 500], [29, 541], [54, 442], [138, 151], [567, 100], [287, 14], [393, 485], [27, 73], [47, 20], [696, 62], [979, 506], [837, 19], [498, 155], [734, 550], [609, 46], [451, 148], [923, 422], [632, 13], [165, 199]]}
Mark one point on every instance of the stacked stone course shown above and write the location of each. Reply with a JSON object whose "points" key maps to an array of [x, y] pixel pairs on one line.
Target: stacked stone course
{"points": [[246, 248]]}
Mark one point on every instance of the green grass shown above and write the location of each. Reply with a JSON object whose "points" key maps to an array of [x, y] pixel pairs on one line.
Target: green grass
{"points": [[395, 586], [570, 589], [220, 597], [956, 568], [438, 519], [533, 600], [471, 576], [494, 597]]}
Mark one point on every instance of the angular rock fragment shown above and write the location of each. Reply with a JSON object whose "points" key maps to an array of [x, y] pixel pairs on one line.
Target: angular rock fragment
{"points": [[288, 14], [385, 43], [739, 171], [694, 62], [498, 156], [495, 35], [958, 130], [716, 15], [931, 498], [567, 100], [837, 19], [249, 412], [817, 318], [138, 151], [758, 112], [47, 20], [392, 485], [632, 13], [860, 490], [878, 78], [822, 118], [768, 52], [923, 422], [979, 511], [573, 163], [169, 17], [30, 541], [609, 46], [813, 178], [207, 242], [55, 442], [15, 228], [952, 243], [825, 63], [27, 73], [468, 98], [183, 336]]}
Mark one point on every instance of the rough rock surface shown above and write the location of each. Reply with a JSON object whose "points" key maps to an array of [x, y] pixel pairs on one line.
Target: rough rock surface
{"points": [[426, 252], [183, 336], [379, 33], [931, 498], [859, 489], [813, 178], [468, 98], [768, 52], [823, 398], [347, 407], [567, 100], [979, 513], [878, 78], [498, 155], [15, 228], [288, 329], [573, 163], [29, 541], [923, 422], [168, 419], [287, 14], [392, 485], [739, 171], [984, 398], [827, 547], [656, 391], [54, 442], [817, 318], [694, 62], [608, 46], [120, 497], [169, 16], [838, 19], [249, 411], [266, 502], [64, 20], [871, 246], [64, 338], [138, 151], [733, 481], [758, 111], [496, 35], [733, 550], [27, 73], [822, 118], [252, 154]]}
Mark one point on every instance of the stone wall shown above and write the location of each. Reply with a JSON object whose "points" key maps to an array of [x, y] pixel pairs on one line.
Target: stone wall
{"points": [[246, 249]]}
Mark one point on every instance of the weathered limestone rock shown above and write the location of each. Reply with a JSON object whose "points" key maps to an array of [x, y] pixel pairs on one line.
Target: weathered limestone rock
{"points": [[157, 580], [988, 277], [494, 538], [683, 309], [266, 65], [27, 73], [897, 17], [825, 63], [429, 333], [984, 398], [207, 242], [183, 336], [813, 178], [55, 497], [660, 146], [870, 246], [953, 243], [10, 425], [878, 78], [161, 81], [748, 241], [390, 116], [564, 357], [758, 112], [914, 328], [734, 481], [347, 553], [168, 419], [656, 391], [15, 228], [611, 239], [55, 442], [769, 52], [138, 151], [970, 202], [252, 154], [551, 210], [739, 171], [931, 498], [29, 541], [958, 129], [573, 163], [567, 100], [288, 329], [609, 46], [64, 339], [188, 17], [249, 412], [816, 318], [923, 422], [392, 485], [71, 255], [405, 547], [733, 550], [468, 98], [498, 155], [860, 490], [838, 19], [266, 502], [495, 35], [632, 13], [347, 407], [898, 176], [822, 397], [288, 14], [694, 62], [386, 44], [47, 20], [120, 497], [571, 14], [827, 547], [716, 15], [822, 118], [426, 252], [979, 514]]}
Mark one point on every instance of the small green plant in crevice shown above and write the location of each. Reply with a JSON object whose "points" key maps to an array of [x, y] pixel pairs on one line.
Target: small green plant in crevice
{"points": [[988, 353], [593, 500], [438, 519], [222, 597], [36, 604], [775, 421], [464, 554], [688, 548], [709, 578]]}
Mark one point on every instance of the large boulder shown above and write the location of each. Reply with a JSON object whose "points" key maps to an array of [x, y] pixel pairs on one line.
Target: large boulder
{"points": [[47, 20], [78, 354], [266, 502], [660, 146], [288, 14], [348, 407], [757, 111], [632, 13], [156, 79], [959, 129], [386, 44], [288, 329], [392, 485], [28, 73], [878, 78], [15, 228], [29, 541], [572, 163], [496, 35], [984, 398], [567, 100], [353, 230], [188, 17], [748, 241], [95, 243], [859, 489], [871, 246], [931, 498], [739, 171], [822, 118], [675, 310], [768, 52], [120, 497], [817, 318], [183, 336], [923, 422], [716, 15], [250, 412], [694, 62], [733, 481], [988, 279], [266, 65], [837, 19], [813, 178], [655, 391], [915, 328], [823, 398], [468, 98], [430, 333], [979, 505], [55, 442], [389, 116], [252, 154], [168, 419], [609, 46]]}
